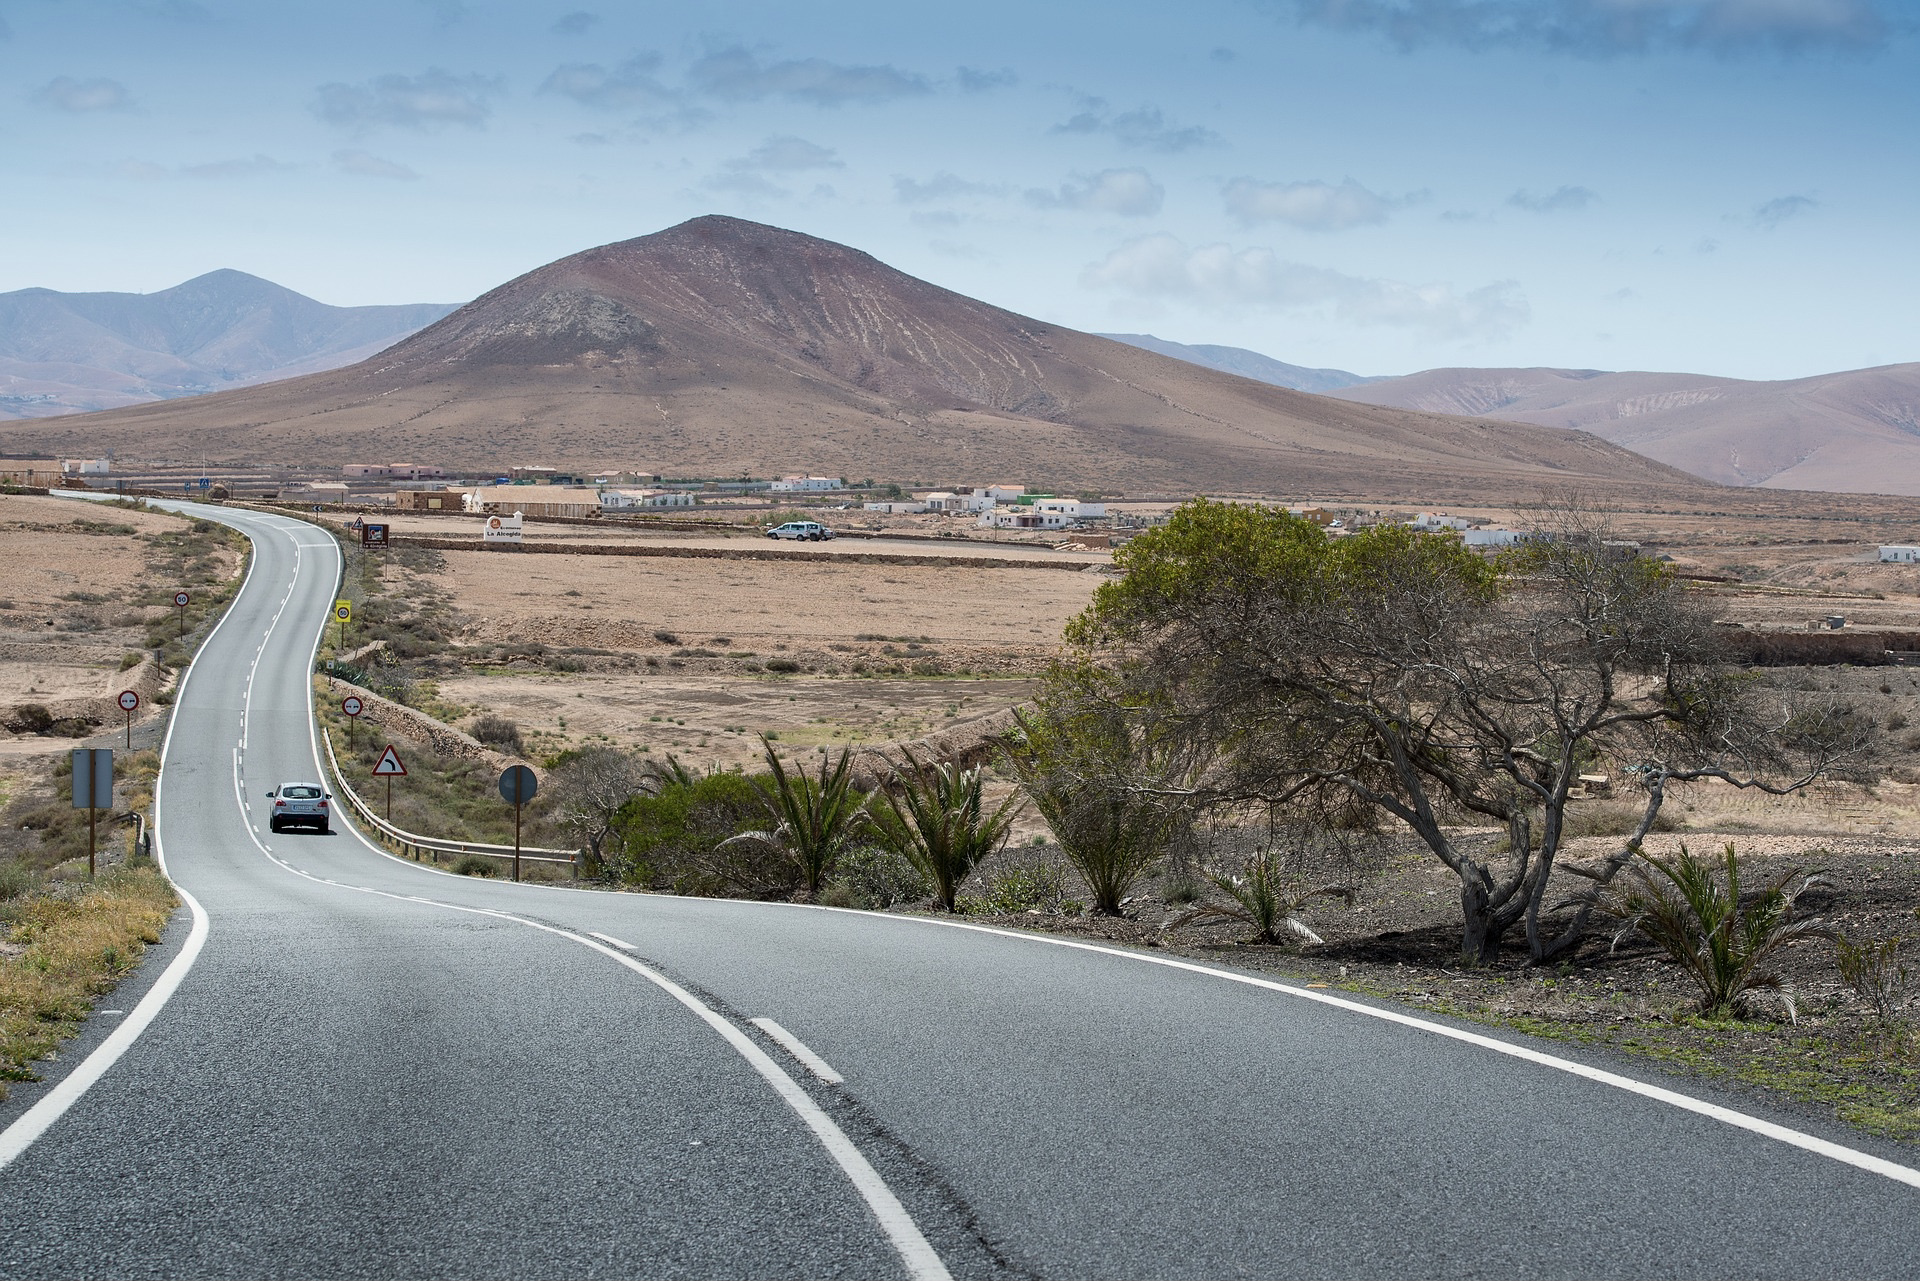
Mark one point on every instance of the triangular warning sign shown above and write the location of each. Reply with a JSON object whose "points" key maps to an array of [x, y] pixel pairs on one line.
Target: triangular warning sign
{"points": [[389, 766]]}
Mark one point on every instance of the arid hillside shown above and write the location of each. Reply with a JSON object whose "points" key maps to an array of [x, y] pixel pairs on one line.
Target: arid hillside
{"points": [[1852, 432], [721, 347], [66, 353]]}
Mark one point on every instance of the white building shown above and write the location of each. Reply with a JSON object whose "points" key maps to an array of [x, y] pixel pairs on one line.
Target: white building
{"points": [[1023, 516], [979, 501], [316, 491], [1900, 555], [1005, 493], [1071, 508], [84, 467], [616, 500], [1492, 537], [804, 484], [895, 508], [1430, 522], [942, 501]]}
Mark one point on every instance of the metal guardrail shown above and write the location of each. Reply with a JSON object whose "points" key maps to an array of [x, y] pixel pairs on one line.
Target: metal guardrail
{"points": [[413, 845]]}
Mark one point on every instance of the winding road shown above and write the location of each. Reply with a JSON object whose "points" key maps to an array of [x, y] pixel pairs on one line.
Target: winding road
{"points": [[357, 1066]]}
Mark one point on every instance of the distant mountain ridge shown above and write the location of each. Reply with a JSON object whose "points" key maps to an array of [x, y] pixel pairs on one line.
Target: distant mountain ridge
{"points": [[64, 353], [1248, 364], [1857, 431], [722, 347]]}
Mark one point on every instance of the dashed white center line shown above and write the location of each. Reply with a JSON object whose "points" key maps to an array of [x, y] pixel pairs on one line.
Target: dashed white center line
{"points": [[795, 1046]]}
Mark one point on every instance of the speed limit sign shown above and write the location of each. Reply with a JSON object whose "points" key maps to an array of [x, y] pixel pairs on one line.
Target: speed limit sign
{"points": [[180, 600], [129, 699], [351, 705]]}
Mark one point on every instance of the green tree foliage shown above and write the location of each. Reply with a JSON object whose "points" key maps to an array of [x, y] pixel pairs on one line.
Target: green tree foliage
{"points": [[1401, 672], [937, 818], [669, 839]]}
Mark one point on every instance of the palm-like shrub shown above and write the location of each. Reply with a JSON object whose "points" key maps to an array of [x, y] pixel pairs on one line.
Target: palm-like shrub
{"points": [[1723, 944], [812, 820], [937, 818], [1265, 898], [1101, 790]]}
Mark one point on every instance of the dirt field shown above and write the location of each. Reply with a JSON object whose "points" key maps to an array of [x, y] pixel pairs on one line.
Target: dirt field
{"points": [[85, 593]]}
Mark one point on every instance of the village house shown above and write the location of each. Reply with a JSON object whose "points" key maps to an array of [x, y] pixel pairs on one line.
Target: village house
{"points": [[543, 500], [806, 484], [614, 500], [1900, 554]]}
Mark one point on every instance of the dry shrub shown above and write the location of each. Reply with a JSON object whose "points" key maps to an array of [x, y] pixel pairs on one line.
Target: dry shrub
{"points": [[75, 950]]}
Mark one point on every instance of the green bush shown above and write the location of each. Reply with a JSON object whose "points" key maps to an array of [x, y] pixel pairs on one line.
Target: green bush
{"points": [[670, 838], [1032, 879], [875, 878], [474, 865]]}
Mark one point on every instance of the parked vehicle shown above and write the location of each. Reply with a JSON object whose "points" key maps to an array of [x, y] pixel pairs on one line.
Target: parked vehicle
{"points": [[806, 531], [300, 805]]}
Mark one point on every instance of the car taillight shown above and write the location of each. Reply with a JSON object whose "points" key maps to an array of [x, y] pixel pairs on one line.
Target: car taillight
{"points": [[279, 805], [323, 805]]}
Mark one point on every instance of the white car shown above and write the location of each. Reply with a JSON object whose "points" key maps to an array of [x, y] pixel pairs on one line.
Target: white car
{"points": [[300, 803], [805, 531]]}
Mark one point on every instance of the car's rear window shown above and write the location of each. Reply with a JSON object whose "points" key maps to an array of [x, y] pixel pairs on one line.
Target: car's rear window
{"points": [[301, 793]]}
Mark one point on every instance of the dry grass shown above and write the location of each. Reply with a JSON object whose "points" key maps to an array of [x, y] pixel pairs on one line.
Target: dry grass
{"points": [[61, 952]]}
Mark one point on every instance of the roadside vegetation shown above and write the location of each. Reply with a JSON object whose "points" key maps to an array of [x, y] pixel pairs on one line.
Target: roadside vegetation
{"points": [[66, 940], [1377, 762]]}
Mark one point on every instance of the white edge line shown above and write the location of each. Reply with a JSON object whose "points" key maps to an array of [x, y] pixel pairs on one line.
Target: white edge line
{"points": [[795, 1046], [1793, 1138], [608, 938], [34, 1122], [1864, 1161], [922, 1261]]}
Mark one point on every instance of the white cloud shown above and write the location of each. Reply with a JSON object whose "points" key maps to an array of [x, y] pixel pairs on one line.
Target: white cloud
{"points": [[787, 153], [241, 167], [1606, 28], [1780, 209], [1561, 201], [425, 101], [366, 165], [1220, 277], [1130, 193], [942, 186], [1146, 128], [1311, 206], [631, 84], [64, 93], [735, 75]]}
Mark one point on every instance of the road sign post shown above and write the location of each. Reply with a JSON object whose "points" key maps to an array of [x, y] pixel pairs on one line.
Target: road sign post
{"points": [[517, 787], [180, 603], [389, 767], [352, 706], [129, 700], [92, 789]]}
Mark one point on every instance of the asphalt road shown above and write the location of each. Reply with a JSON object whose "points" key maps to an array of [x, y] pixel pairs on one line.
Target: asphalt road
{"points": [[374, 1069]]}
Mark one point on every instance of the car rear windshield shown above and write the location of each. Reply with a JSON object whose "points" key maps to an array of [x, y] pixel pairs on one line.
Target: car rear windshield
{"points": [[301, 793]]}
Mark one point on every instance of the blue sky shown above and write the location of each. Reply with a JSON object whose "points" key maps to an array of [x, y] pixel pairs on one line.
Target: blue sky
{"points": [[1722, 186]]}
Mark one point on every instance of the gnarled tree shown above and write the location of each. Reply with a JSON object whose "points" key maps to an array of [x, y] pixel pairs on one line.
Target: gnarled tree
{"points": [[1402, 671]]}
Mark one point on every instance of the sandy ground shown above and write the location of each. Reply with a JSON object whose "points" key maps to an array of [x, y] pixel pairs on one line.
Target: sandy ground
{"points": [[69, 608], [616, 602]]}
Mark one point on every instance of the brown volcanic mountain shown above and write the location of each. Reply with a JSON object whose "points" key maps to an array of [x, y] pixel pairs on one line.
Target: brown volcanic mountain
{"points": [[1854, 432], [723, 347]]}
